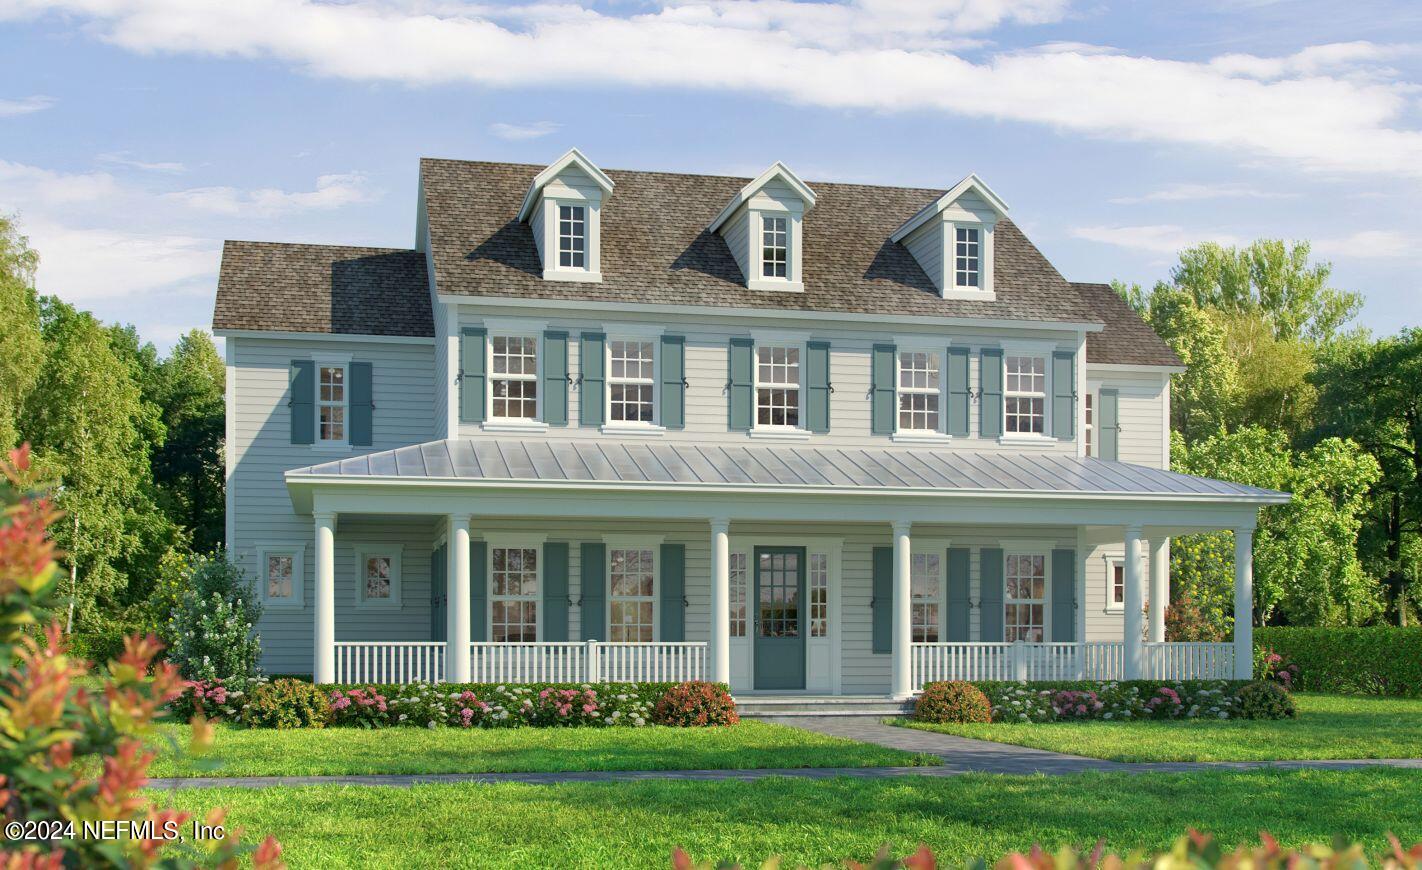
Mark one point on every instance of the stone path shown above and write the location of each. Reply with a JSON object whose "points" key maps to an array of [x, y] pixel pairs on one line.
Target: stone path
{"points": [[959, 754]]}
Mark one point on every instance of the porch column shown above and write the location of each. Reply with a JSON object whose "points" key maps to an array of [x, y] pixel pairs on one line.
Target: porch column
{"points": [[1243, 604], [1159, 587], [1135, 652], [721, 601], [903, 612], [456, 658], [324, 667]]}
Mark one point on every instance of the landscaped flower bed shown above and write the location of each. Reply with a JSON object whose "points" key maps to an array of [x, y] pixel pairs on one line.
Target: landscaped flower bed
{"points": [[1113, 701]]}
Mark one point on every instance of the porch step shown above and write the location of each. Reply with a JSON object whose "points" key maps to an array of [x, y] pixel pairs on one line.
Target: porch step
{"points": [[763, 706]]}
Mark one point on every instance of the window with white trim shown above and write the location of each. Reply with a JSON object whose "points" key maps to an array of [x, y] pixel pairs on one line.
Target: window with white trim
{"points": [[926, 593], [739, 579], [967, 257], [513, 594], [631, 380], [1025, 396], [572, 237], [1115, 584], [819, 595], [632, 577], [279, 574], [919, 390], [331, 404], [775, 247], [777, 382], [377, 576], [1089, 424], [1025, 598], [514, 382]]}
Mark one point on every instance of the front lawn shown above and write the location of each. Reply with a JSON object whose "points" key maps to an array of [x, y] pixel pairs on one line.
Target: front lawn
{"points": [[336, 751], [810, 821], [1329, 726]]}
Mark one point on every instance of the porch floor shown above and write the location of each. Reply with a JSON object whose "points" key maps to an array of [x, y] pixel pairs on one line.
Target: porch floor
{"points": [[760, 705]]}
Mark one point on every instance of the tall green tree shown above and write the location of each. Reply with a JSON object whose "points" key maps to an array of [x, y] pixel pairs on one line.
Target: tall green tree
{"points": [[21, 346], [190, 467]]}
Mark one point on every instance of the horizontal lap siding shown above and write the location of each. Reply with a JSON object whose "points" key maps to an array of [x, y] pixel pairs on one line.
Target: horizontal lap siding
{"points": [[1142, 415], [1102, 622]]}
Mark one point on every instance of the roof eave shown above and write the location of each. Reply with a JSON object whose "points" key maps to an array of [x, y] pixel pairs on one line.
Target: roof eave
{"points": [[777, 169], [572, 157], [971, 182]]}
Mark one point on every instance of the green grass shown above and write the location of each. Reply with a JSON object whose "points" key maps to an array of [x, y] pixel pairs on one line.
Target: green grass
{"points": [[1329, 726], [638, 824], [334, 751]]}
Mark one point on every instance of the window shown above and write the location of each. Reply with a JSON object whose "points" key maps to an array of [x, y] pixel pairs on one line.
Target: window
{"points": [[631, 381], [819, 595], [631, 582], [738, 595], [967, 257], [1089, 427], [280, 578], [777, 386], [1025, 598], [774, 247], [1116, 594], [572, 237], [377, 575], [331, 404], [513, 599], [919, 375], [1026, 395], [925, 590], [280, 573], [515, 379]]}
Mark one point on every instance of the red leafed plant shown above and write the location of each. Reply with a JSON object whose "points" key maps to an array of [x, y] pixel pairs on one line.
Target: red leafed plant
{"points": [[73, 758], [696, 704]]}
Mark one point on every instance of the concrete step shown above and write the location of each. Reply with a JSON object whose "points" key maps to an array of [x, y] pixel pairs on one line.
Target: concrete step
{"points": [[760, 707]]}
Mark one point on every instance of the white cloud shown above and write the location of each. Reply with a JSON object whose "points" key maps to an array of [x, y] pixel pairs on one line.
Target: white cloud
{"points": [[86, 265], [25, 106], [332, 192], [1188, 192], [1154, 238], [1334, 108], [122, 158], [23, 184], [521, 132], [1368, 245]]}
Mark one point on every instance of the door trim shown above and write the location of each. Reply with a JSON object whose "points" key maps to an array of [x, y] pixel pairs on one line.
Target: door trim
{"points": [[833, 547], [753, 598]]}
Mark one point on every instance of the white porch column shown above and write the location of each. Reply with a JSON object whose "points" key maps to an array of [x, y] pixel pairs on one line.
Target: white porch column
{"points": [[324, 667], [456, 658], [720, 601], [1159, 587], [1243, 604], [903, 612], [1135, 652]]}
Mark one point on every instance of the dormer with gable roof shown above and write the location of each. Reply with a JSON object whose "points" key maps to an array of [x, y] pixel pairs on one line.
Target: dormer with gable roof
{"points": [[952, 239], [563, 207], [763, 227]]}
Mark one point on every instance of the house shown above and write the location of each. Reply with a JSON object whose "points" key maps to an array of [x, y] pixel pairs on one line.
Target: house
{"points": [[598, 424]]}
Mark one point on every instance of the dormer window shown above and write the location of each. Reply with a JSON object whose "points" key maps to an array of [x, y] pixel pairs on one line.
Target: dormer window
{"points": [[774, 247], [572, 237], [563, 209], [967, 262], [763, 225], [952, 240]]}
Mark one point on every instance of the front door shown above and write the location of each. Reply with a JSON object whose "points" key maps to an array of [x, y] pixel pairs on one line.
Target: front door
{"points": [[779, 597]]}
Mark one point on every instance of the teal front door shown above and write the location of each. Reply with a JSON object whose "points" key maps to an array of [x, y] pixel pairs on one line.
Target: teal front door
{"points": [[779, 617]]}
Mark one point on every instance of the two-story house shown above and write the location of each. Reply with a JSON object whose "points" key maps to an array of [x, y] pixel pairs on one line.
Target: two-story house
{"points": [[599, 424]]}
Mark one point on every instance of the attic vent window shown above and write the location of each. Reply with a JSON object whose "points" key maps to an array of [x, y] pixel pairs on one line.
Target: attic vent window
{"points": [[572, 237], [774, 247], [967, 266]]}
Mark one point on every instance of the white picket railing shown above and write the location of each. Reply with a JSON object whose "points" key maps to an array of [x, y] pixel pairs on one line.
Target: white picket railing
{"points": [[1189, 661], [588, 662], [389, 661], [1093, 660]]}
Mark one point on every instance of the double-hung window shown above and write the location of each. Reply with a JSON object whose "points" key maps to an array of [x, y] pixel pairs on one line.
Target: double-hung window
{"points": [[572, 237], [513, 594], [967, 257], [632, 577], [925, 585], [632, 385], [777, 381], [919, 395], [1025, 399], [514, 382], [331, 404], [1025, 598], [775, 247]]}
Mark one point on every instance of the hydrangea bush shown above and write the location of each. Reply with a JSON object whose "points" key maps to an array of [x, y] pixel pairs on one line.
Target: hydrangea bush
{"points": [[213, 627], [1112, 701], [214, 700]]}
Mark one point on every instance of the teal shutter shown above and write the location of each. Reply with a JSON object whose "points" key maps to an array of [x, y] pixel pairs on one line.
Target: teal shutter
{"points": [[957, 393], [362, 404], [593, 603], [555, 591], [673, 579], [884, 366], [1108, 426], [990, 594], [817, 385], [1063, 395], [1063, 596], [740, 387], [959, 599], [555, 378], [472, 340], [439, 589], [303, 401], [882, 602], [478, 591], [673, 377], [592, 357], [990, 397]]}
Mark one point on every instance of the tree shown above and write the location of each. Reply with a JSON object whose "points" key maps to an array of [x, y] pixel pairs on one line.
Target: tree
{"points": [[21, 347], [190, 467], [1275, 391]]}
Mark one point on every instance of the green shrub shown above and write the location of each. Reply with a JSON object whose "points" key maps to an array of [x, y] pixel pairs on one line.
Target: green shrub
{"points": [[696, 705], [1380, 660], [954, 701], [1266, 700], [213, 625], [1111, 700], [284, 704]]}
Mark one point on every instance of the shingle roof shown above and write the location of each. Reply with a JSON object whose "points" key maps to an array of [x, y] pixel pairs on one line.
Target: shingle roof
{"points": [[590, 463], [324, 289], [1127, 339]]}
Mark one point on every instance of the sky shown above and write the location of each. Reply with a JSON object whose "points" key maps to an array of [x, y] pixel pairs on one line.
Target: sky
{"points": [[136, 135]]}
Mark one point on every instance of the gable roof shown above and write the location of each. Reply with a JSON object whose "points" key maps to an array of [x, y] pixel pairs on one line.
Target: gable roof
{"points": [[573, 157], [971, 183], [776, 170], [1127, 339]]}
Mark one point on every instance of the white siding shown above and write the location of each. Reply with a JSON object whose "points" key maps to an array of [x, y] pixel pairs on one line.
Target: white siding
{"points": [[926, 245], [736, 233], [1142, 414]]}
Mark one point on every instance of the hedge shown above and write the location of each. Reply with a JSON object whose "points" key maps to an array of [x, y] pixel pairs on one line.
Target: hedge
{"points": [[1380, 660]]}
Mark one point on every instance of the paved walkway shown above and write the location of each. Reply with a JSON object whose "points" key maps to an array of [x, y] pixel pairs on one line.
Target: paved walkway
{"points": [[959, 754]]}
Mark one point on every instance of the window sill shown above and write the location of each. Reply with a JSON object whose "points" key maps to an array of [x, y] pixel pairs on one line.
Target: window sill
{"points": [[521, 426], [779, 434], [1028, 440], [968, 293], [579, 275], [646, 430], [776, 285], [920, 438]]}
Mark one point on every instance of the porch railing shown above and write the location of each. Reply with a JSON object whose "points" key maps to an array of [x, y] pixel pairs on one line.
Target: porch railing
{"points": [[1093, 660], [587, 662], [390, 661]]}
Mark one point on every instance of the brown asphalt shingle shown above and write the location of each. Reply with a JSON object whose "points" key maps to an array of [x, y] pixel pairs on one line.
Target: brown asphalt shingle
{"points": [[1127, 339]]}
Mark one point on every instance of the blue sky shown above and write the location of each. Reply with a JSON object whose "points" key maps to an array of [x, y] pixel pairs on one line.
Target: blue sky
{"points": [[135, 135]]}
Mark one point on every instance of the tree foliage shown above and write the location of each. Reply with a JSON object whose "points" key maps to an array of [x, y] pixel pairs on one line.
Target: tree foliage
{"points": [[21, 347]]}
